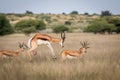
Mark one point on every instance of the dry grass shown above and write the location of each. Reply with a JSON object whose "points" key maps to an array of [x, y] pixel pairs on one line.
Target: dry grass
{"points": [[102, 62]]}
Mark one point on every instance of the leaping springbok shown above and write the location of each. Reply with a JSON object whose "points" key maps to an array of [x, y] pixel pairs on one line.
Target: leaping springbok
{"points": [[75, 53], [45, 39]]}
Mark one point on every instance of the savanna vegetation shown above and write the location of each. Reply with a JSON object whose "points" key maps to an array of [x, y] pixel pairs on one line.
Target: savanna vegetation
{"points": [[101, 26], [60, 28], [101, 62], [74, 22], [29, 26]]}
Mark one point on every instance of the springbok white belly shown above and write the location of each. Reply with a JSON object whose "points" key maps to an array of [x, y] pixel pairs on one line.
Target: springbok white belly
{"points": [[39, 42], [29, 42], [70, 57]]}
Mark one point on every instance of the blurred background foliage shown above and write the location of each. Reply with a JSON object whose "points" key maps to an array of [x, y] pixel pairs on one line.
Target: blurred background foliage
{"points": [[29, 22], [5, 26]]}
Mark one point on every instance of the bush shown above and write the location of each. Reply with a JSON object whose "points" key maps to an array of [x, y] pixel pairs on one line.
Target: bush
{"points": [[40, 25], [29, 30], [5, 27], [74, 12], [105, 13], [68, 23], [29, 26], [61, 28], [100, 26], [116, 22]]}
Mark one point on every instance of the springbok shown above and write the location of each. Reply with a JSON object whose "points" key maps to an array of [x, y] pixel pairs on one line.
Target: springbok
{"points": [[10, 53], [75, 53], [39, 39]]}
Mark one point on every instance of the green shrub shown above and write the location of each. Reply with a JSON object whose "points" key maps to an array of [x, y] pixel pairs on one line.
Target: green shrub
{"points": [[29, 26], [40, 25], [106, 13], [74, 12], [29, 30], [60, 28], [116, 22], [100, 26], [5, 26]]}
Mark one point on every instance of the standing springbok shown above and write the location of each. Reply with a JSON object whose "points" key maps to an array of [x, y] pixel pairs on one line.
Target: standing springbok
{"points": [[45, 39], [10, 53], [75, 53]]}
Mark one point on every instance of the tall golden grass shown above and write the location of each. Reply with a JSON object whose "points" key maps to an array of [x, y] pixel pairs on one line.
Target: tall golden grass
{"points": [[101, 62]]}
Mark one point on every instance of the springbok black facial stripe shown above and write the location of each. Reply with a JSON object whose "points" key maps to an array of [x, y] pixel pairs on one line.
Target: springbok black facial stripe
{"points": [[63, 36]]}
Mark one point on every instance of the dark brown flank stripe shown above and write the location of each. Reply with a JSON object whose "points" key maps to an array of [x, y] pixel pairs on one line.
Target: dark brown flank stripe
{"points": [[43, 39], [6, 54], [72, 55]]}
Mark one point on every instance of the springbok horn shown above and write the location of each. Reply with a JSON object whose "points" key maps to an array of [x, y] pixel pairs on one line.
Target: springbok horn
{"points": [[81, 44]]}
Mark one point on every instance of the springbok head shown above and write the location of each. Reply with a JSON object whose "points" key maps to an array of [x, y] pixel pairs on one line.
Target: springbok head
{"points": [[22, 46], [63, 38], [84, 46]]}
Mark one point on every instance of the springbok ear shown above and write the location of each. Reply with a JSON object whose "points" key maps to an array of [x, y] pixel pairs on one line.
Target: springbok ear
{"points": [[25, 45], [19, 44]]}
